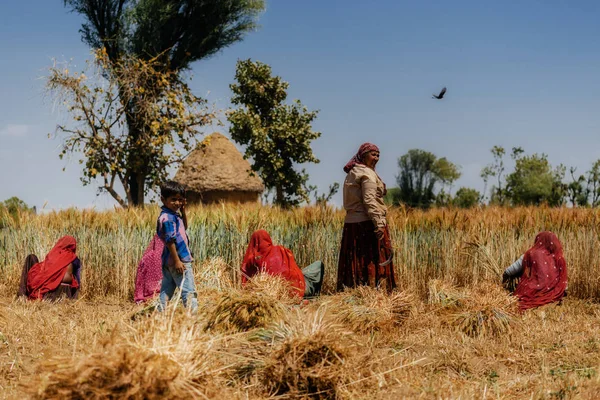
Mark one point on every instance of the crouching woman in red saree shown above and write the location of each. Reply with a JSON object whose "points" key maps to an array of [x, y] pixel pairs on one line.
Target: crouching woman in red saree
{"points": [[56, 277], [542, 271], [263, 256]]}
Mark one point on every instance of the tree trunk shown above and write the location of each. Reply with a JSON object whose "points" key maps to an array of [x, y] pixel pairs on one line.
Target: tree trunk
{"points": [[137, 175], [279, 196], [136, 187]]}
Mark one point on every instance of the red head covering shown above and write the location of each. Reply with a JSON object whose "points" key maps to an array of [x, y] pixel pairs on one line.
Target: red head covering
{"points": [[544, 278], [263, 256], [358, 157], [45, 276]]}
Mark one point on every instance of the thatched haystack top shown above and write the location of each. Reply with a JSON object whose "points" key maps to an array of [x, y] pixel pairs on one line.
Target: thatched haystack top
{"points": [[217, 165]]}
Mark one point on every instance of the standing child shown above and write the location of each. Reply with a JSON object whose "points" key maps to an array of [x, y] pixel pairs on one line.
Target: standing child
{"points": [[176, 257]]}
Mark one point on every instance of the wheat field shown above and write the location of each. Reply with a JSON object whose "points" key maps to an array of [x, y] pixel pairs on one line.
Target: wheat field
{"points": [[450, 331]]}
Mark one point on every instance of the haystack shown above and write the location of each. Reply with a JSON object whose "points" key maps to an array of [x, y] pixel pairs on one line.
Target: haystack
{"points": [[216, 171]]}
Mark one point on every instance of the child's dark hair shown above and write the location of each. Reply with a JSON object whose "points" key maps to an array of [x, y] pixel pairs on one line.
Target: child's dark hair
{"points": [[171, 188]]}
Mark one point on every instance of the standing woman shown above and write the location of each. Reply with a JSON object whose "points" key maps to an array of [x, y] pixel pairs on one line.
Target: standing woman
{"points": [[365, 253]]}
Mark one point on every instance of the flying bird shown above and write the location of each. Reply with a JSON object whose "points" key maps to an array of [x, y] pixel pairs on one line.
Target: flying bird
{"points": [[441, 95]]}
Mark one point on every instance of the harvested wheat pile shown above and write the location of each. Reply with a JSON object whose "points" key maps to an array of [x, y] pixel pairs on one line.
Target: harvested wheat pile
{"points": [[365, 309], [272, 286], [241, 311], [214, 274], [310, 367], [488, 311], [444, 295], [123, 372], [310, 357], [166, 357]]}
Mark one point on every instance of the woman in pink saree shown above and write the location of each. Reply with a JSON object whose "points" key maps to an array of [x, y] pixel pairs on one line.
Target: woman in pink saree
{"points": [[149, 272]]}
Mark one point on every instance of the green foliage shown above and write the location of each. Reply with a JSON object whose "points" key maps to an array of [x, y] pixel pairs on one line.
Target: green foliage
{"points": [[420, 172], [593, 184], [392, 197], [178, 32], [534, 182], [184, 31], [13, 207], [443, 199], [324, 198], [446, 171], [495, 170], [466, 198], [577, 191], [168, 115], [168, 35], [277, 136]]}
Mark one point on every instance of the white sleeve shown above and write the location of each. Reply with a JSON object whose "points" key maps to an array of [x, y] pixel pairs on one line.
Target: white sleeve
{"points": [[516, 269]]}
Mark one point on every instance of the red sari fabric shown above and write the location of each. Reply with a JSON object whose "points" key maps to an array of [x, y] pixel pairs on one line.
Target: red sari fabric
{"points": [[544, 278], [47, 275], [263, 256]]}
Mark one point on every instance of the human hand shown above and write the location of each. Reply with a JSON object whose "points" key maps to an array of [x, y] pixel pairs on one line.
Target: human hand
{"points": [[179, 267], [380, 232], [183, 203]]}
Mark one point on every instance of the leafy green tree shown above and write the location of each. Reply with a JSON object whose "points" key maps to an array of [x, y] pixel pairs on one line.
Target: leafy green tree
{"points": [[495, 170], [392, 197], [169, 35], [277, 136], [15, 206], [420, 172], [447, 172], [593, 184], [577, 191], [466, 198], [534, 182], [171, 114]]}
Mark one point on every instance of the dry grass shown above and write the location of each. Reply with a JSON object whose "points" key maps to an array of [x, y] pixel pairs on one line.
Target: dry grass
{"points": [[428, 245], [274, 287], [457, 335], [488, 310], [241, 311], [166, 356], [214, 274], [263, 300], [444, 295], [365, 309], [310, 356], [116, 372], [92, 350]]}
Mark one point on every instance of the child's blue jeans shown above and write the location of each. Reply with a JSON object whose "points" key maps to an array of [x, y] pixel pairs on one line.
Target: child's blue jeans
{"points": [[173, 279]]}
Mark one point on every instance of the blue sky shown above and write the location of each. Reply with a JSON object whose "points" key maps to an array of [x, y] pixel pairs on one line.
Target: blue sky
{"points": [[518, 74]]}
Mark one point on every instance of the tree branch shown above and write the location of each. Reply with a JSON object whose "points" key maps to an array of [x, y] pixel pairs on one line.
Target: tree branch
{"points": [[110, 189]]}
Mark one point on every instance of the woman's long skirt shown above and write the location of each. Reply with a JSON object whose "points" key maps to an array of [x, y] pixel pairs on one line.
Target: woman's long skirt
{"points": [[149, 272], [362, 256]]}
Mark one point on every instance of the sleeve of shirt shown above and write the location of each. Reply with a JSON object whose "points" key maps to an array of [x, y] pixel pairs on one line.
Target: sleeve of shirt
{"points": [[516, 269], [77, 269], [369, 192], [167, 230]]}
